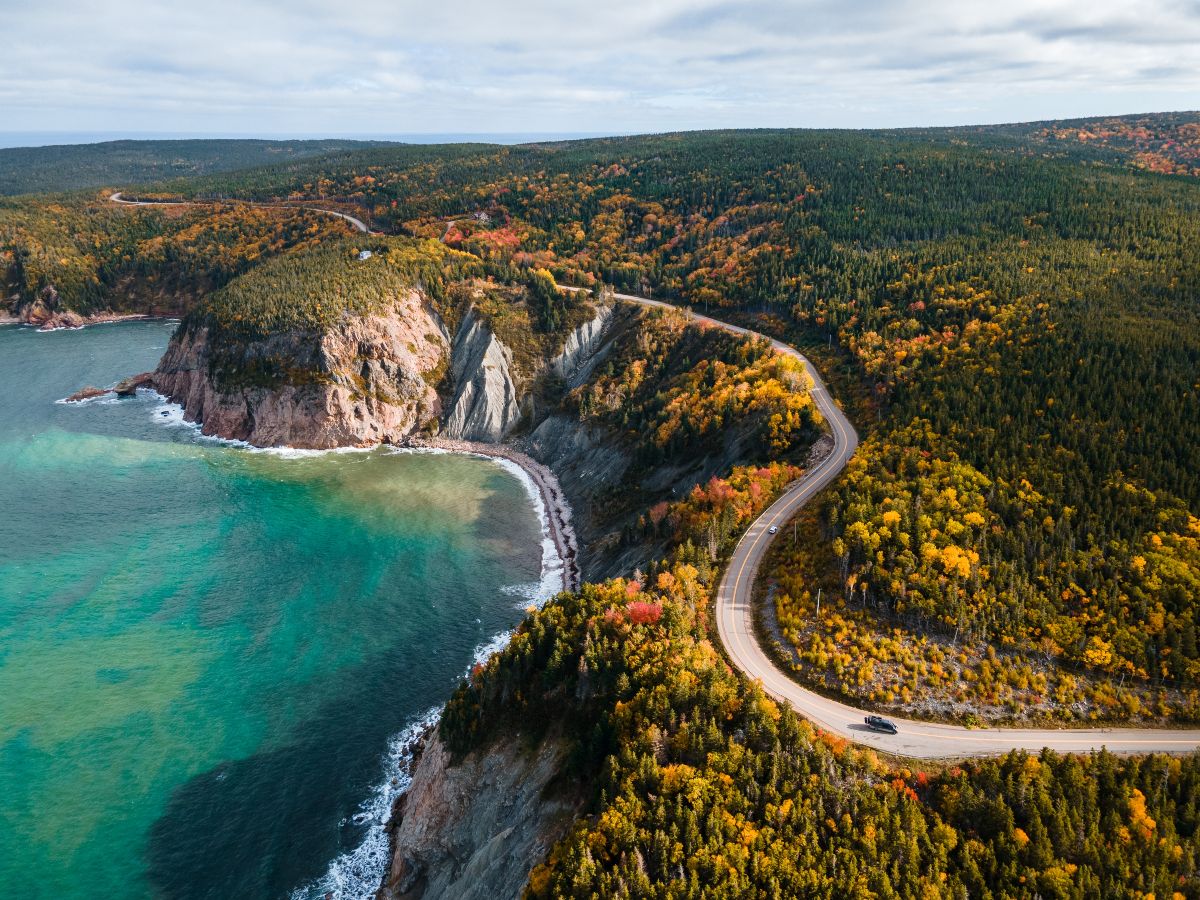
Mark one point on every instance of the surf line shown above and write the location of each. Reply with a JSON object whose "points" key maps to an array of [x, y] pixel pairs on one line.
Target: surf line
{"points": [[555, 510]]}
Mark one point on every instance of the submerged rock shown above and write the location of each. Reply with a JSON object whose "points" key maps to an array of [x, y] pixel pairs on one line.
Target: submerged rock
{"points": [[87, 393]]}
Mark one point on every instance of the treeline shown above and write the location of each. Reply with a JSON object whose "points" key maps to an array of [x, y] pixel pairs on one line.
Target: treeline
{"points": [[1037, 313], [701, 786], [94, 255], [73, 167], [1034, 317]]}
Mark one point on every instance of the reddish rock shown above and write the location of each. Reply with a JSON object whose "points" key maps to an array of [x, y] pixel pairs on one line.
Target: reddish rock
{"points": [[364, 382], [87, 393]]}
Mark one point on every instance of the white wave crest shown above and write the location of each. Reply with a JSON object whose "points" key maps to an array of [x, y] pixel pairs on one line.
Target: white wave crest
{"points": [[356, 874], [554, 570], [100, 400]]}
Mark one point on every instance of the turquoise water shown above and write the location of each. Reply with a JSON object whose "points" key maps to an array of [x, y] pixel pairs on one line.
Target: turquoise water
{"points": [[205, 650]]}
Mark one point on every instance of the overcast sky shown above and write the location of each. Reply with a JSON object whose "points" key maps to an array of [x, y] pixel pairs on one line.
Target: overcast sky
{"points": [[609, 66]]}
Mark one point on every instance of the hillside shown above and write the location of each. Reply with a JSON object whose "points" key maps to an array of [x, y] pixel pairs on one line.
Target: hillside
{"points": [[86, 255], [74, 167], [1012, 325], [1023, 323]]}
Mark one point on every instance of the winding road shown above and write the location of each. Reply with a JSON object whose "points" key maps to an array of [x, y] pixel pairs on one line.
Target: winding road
{"points": [[735, 610], [923, 740], [359, 224]]}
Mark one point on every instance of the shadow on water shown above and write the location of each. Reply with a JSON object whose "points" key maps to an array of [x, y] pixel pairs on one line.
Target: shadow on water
{"points": [[258, 828]]}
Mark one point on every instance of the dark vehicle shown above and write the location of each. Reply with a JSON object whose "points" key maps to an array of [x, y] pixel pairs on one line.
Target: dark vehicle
{"points": [[879, 723]]}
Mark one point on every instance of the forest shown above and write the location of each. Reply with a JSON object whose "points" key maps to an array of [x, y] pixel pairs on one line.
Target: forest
{"points": [[94, 255], [1017, 304], [699, 785], [1010, 315], [76, 167]]}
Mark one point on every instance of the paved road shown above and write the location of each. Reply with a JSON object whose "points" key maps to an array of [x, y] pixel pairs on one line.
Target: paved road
{"points": [[358, 224], [735, 624], [735, 612]]}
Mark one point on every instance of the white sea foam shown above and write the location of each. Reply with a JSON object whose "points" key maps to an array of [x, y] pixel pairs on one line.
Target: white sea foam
{"points": [[171, 415], [356, 874], [553, 571], [526, 591], [486, 650], [432, 451], [553, 579], [101, 400]]}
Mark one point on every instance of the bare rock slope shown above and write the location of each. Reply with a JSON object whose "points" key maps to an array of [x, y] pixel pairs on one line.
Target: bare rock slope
{"points": [[366, 381], [472, 830], [486, 404]]}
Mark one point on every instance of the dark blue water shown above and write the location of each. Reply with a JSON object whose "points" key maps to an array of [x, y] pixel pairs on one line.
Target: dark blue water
{"points": [[205, 650]]}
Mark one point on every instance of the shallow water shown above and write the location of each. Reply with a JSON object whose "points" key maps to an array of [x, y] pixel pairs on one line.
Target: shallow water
{"points": [[206, 651]]}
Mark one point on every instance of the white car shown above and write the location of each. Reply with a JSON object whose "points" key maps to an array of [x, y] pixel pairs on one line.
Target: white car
{"points": [[772, 530]]}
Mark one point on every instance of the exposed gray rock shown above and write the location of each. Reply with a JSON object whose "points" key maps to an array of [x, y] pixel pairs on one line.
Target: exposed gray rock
{"points": [[472, 830], [587, 465], [486, 405], [583, 349]]}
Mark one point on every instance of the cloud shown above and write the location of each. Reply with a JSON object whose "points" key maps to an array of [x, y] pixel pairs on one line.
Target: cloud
{"points": [[379, 66]]}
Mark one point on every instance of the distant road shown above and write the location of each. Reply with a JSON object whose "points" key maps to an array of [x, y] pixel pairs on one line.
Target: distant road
{"points": [[926, 740], [735, 610], [359, 224]]}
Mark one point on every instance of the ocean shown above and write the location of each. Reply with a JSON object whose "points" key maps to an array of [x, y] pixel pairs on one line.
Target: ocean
{"points": [[213, 659]]}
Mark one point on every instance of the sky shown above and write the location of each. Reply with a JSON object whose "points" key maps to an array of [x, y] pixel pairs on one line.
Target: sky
{"points": [[387, 67]]}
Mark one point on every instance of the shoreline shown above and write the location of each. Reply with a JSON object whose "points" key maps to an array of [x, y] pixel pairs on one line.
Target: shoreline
{"points": [[77, 323], [557, 509], [554, 505]]}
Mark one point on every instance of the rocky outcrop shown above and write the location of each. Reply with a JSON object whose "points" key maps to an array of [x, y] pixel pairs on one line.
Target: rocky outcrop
{"points": [[588, 465], [486, 403], [127, 387], [87, 393], [364, 381], [583, 348], [46, 311], [473, 829]]}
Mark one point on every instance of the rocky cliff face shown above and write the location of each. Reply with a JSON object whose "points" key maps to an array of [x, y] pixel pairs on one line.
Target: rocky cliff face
{"points": [[583, 348], [369, 380], [363, 382], [486, 404], [473, 830]]}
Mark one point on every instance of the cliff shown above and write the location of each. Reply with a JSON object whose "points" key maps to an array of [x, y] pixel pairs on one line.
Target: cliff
{"points": [[471, 829], [365, 378], [363, 381], [584, 348], [486, 405]]}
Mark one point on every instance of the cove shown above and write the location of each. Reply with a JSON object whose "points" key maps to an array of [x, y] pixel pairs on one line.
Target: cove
{"points": [[206, 651]]}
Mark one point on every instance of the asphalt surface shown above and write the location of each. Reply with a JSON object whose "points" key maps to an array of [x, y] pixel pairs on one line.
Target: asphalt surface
{"points": [[359, 224], [925, 740]]}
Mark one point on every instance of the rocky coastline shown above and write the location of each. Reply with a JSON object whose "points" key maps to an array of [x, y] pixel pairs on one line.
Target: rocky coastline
{"points": [[554, 502], [398, 378], [46, 312]]}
